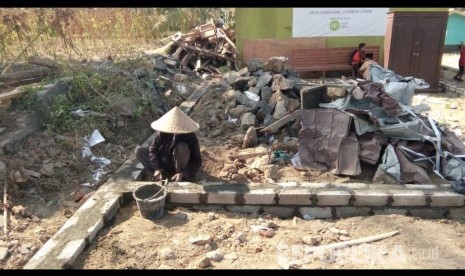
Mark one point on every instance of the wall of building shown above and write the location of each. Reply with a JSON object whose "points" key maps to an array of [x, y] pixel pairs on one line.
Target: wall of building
{"points": [[455, 29], [253, 23]]}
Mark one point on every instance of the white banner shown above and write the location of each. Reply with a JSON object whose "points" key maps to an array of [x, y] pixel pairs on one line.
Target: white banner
{"points": [[323, 22]]}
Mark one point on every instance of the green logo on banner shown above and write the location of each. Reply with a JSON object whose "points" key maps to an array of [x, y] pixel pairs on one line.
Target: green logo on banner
{"points": [[334, 25]]}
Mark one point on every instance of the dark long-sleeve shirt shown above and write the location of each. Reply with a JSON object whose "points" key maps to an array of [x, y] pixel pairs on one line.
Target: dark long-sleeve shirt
{"points": [[161, 151]]}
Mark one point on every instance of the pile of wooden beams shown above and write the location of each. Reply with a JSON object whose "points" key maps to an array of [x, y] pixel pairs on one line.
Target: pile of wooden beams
{"points": [[204, 49]]}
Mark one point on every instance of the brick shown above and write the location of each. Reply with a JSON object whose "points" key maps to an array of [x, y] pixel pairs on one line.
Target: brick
{"points": [[370, 198], [71, 251], [428, 213], [333, 198], [243, 209], [316, 212], [183, 196], [456, 213], [314, 185], [260, 197], [281, 212], [408, 198], [294, 197], [345, 212], [222, 197], [93, 230], [390, 211], [447, 199]]}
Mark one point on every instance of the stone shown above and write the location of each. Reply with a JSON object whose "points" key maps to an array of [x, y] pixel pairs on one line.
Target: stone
{"points": [[280, 110], [270, 171], [212, 216], [238, 111], [181, 215], [201, 240], [241, 237], [240, 83], [279, 96], [258, 105], [238, 138], [159, 64], [216, 132], [281, 83], [264, 80], [244, 72], [268, 233], [2, 129], [310, 240], [254, 64], [266, 93], [23, 250], [265, 110], [207, 247], [250, 138], [140, 72], [215, 256], [3, 253], [248, 120], [232, 77], [163, 266], [275, 65], [251, 83], [167, 254], [47, 169], [2, 167], [294, 104], [231, 256], [336, 91], [203, 262], [170, 62], [254, 90], [269, 119]]}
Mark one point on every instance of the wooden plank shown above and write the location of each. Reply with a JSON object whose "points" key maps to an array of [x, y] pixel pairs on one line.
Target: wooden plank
{"points": [[203, 52], [274, 127]]}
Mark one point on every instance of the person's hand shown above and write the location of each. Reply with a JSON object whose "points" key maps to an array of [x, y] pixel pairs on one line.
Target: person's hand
{"points": [[157, 175], [177, 177]]}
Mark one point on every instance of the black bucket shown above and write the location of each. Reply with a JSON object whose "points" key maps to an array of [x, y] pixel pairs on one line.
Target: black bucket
{"points": [[150, 200]]}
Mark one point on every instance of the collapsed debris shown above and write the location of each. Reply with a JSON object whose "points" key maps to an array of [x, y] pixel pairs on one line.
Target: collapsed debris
{"points": [[203, 51], [340, 123]]}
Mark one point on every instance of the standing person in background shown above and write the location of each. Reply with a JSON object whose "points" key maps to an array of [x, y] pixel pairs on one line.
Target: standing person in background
{"points": [[459, 75], [358, 58]]}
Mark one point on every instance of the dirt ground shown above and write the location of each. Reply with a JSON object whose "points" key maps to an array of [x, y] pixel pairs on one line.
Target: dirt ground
{"points": [[41, 206], [133, 242]]}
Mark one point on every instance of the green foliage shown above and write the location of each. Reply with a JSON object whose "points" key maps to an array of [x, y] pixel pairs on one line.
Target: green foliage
{"points": [[60, 118]]}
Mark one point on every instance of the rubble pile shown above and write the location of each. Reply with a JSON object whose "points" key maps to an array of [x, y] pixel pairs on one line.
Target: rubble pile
{"points": [[203, 50], [340, 123]]}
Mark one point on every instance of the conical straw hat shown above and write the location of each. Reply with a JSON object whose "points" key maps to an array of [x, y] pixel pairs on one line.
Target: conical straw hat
{"points": [[175, 121]]}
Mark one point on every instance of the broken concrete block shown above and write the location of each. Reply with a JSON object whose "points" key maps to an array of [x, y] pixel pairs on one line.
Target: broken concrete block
{"points": [[270, 171], [159, 64], [275, 65], [280, 110], [293, 105], [250, 139], [244, 72], [266, 93], [238, 111], [265, 110], [240, 83], [247, 120], [264, 80], [281, 83], [279, 96], [254, 65]]}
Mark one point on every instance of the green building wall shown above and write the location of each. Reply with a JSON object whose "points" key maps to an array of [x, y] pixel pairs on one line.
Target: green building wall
{"points": [[252, 23]]}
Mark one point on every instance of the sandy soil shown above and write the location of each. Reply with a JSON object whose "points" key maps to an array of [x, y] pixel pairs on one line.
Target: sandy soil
{"points": [[133, 242]]}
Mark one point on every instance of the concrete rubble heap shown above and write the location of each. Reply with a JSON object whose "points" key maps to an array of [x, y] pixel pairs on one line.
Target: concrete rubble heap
{"points": [[339, 123]]}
